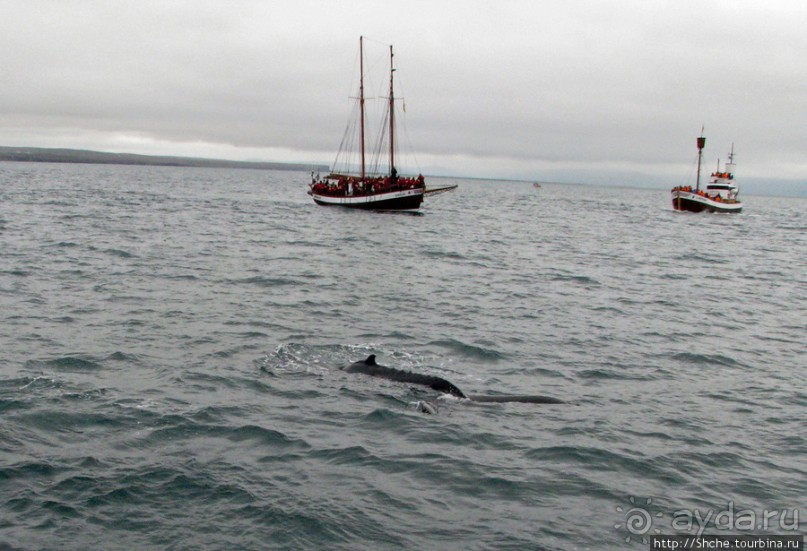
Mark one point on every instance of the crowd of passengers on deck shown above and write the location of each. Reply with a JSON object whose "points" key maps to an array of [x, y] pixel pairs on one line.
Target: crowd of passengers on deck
{"points": [[366, 186]]}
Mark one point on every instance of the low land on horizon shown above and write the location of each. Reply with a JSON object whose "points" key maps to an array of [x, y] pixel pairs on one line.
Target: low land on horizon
{"points": [[49, 155], [750, 186], [88, 156]]}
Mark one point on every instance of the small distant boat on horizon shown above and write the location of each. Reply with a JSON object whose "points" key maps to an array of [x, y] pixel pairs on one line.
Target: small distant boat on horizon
{"points": [[721, 191], [536, 185], [368, 189]]}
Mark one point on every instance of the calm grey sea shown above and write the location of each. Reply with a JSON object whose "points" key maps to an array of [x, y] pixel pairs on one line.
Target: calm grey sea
{"points": [[170, 344]]}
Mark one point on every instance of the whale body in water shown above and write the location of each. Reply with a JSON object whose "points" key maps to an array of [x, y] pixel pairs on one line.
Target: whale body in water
{"points": [[370, 367]]}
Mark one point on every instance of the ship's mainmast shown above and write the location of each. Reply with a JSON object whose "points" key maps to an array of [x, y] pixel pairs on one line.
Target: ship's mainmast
{"points": [[361, 100], [701, 144]]}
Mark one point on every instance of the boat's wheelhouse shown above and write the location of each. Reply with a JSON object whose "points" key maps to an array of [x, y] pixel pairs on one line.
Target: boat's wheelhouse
{"points": [[721, 183], [723, 187]]}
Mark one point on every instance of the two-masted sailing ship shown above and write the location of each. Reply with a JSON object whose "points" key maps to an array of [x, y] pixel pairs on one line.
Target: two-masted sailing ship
{"points": [[369, 185], [720, 194]]}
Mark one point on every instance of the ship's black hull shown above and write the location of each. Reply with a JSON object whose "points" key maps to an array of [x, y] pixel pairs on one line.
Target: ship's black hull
{"points": [[692, 202], [401, 200]]}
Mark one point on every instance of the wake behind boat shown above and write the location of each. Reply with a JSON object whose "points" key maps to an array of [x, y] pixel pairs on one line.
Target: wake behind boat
{"points": [[721, 191], [370, 188]]}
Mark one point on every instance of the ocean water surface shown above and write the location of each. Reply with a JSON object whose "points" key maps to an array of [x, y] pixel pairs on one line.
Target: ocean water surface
{"points": [[171, 338]]}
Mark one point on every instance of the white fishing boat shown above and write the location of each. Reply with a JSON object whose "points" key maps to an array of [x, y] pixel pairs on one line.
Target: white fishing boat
{"points": [[720, 194]]}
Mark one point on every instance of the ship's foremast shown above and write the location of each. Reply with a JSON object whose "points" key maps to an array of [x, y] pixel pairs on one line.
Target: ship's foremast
{"points": [[391, 116], [701, 144]]}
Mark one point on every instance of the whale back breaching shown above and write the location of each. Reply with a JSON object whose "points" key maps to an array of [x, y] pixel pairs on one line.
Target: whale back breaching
{"points": [[370, 367]]}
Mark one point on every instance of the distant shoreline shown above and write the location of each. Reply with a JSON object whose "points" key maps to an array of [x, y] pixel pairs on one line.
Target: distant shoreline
{"points": [[749, 186], [84, 156]]}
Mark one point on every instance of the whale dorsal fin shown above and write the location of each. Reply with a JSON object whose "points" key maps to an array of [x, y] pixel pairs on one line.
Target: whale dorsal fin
{"points": [[370, 360]]}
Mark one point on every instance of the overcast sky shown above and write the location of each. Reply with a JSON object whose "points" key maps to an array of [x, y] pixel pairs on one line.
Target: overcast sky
{"points": [[597, 91]]}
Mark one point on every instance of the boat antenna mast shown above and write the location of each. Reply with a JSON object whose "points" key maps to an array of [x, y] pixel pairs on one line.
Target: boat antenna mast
{"points": [[701, 144], [730, 164], [392, 170]]}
